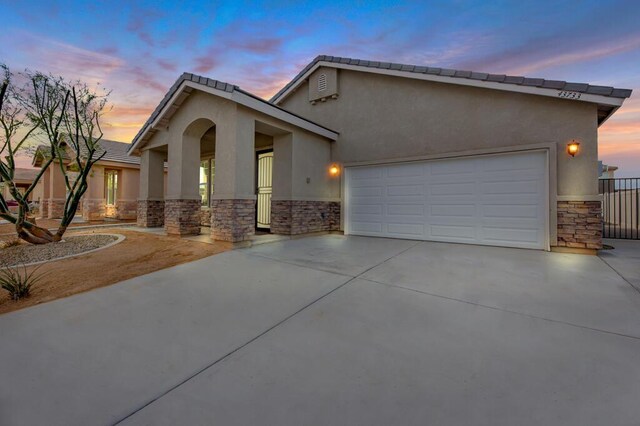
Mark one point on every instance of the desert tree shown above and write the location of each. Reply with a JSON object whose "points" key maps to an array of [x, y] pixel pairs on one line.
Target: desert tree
{"points": [[66, 115]]}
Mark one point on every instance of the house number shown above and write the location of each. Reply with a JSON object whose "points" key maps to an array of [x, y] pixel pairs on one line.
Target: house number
{"points": [[568, 95]]}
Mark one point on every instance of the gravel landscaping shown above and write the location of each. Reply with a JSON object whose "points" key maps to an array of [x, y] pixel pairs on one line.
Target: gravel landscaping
{"points": [[25, 253]]}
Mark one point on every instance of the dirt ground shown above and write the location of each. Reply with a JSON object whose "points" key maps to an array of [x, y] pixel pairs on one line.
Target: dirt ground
{"points": [[140, 253]]}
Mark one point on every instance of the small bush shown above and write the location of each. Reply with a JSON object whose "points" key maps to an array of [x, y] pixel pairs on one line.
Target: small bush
{"points": [[18, 281]]}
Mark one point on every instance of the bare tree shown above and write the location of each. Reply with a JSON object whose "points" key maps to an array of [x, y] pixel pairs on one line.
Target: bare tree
{"points": [[67, 115]]}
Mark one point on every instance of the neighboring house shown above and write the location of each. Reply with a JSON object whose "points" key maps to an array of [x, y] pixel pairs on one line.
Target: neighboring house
{"points": [[380, 149], [112, 185], [605, 171], [23, 178]]}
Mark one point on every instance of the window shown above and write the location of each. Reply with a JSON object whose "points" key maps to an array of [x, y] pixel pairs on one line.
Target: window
{"points": [[207, 172], [111, 186]]}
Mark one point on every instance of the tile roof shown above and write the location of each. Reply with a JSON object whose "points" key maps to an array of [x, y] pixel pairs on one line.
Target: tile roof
{"points": [[497, 78], [114, 151], [25, 175], [215, 84], [117, 151]]}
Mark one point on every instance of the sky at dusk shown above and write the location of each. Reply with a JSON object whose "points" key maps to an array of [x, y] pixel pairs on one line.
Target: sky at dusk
{"points": [[138, 49]]}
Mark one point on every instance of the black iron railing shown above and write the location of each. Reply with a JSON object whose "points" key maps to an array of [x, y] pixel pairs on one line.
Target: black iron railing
{"points": [[620, 208]]}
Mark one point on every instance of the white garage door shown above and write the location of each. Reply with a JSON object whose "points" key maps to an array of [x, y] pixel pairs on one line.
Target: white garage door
{"points": [[498, 200]]}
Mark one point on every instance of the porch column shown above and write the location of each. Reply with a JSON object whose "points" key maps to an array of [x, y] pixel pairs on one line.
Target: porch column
{"points": [[57, 192], [93, 202], [182, 206], [151, 197], [46, 188], [233, 206]]}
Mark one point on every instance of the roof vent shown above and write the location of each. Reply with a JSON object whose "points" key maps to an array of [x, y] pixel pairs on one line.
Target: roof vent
{"points": [[322, 82]]}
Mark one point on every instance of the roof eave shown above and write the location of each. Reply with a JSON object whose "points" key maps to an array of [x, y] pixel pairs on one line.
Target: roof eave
{"points": [[543, 91]]}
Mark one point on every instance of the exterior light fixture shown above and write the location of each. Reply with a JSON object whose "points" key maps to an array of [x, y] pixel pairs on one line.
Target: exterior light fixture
{"points": [[572, 148], [334, 170]]}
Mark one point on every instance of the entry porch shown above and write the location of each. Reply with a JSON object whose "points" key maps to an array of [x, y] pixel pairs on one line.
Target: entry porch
{"points": [[234, 162]]}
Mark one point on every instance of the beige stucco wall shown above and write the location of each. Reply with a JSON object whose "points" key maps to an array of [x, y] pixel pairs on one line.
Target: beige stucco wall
{"points": [[382, 117]]}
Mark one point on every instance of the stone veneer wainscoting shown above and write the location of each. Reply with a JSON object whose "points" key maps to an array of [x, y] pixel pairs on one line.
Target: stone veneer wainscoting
{"points": [[233, 220], [93, 209], [292, 217], [44, 208], [580, 224], [182, 217], [150, 213], [55, 208], [126, 209], [205, 216]]}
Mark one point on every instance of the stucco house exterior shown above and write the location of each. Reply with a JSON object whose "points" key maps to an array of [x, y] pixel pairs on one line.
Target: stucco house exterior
{"points": [[380, 149], [23, 179], [112, 185]]}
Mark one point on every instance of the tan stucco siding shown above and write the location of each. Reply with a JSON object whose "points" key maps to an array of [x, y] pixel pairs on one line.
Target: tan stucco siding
{"points": [[383, 118]]}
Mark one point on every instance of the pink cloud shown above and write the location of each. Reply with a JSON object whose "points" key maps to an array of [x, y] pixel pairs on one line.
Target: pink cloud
{"points": [[166, 65], [204, 64], [257, 45]]}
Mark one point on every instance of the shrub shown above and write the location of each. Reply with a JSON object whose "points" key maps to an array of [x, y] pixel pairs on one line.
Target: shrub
{"points": [[18, 281]]}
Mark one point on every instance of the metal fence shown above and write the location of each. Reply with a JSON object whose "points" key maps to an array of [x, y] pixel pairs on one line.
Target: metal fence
{"points": [[620, 208]]}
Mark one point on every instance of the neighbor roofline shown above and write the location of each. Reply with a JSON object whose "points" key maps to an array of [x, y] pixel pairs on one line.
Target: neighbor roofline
{"points": [[232, 93], [581, 92]]}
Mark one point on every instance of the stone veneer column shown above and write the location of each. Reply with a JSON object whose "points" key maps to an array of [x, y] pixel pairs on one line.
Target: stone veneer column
{"points": [[44, 208], [292, 217], [93, 209], [126, 209], [150, 213], [580, 224], [205, 216], [182, 217], [55, 208], [233, 220]]}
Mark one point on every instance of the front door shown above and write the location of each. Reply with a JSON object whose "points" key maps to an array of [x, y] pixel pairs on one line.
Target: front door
{"points": [[264, 189]]}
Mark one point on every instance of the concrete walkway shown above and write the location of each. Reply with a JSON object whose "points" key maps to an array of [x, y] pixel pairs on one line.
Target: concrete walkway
{"points": [[336, 330]]}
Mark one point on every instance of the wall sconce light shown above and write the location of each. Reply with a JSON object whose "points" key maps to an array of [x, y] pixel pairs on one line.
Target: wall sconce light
{"points": [[572, 148], [334, 170]]}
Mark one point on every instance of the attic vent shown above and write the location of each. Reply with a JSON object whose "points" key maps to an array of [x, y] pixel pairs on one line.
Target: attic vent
{"points": [[322, 82]]}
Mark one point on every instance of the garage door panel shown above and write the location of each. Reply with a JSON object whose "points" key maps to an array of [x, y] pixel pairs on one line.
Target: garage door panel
{"points": [[511, 236], [406, 209], [367, 191], [406, 229], [367, 227], [452, 232], [406, 170], [528, 186], [492, 200], [510, 211], [410, 189], [451, 188], [453, 210], [452, 167]]}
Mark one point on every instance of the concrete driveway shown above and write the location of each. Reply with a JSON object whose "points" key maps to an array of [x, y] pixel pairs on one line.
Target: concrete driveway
{"points": [[336, 330]]}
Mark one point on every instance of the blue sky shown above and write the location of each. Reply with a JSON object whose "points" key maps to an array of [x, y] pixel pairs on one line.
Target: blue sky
{"points": [[138, 49]]}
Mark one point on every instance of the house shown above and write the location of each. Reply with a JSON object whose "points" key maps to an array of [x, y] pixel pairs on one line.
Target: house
{"points": [[380, 149], [605, 171], [23, 178], [112, 184]]}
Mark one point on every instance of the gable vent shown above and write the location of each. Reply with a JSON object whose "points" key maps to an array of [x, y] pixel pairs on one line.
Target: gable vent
{"points": [[322, 82]]}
